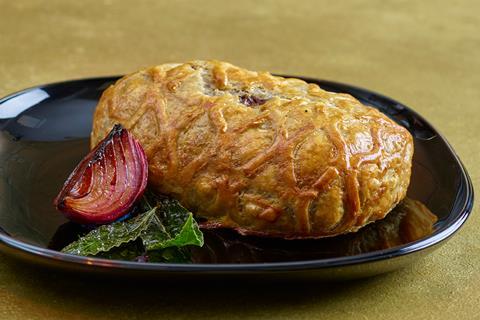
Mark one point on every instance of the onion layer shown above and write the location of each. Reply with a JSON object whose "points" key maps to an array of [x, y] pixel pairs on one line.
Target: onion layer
{"points": [[107, 182]]}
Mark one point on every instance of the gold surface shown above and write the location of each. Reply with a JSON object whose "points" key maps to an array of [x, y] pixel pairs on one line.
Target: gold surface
{"points": [[423, 53]]}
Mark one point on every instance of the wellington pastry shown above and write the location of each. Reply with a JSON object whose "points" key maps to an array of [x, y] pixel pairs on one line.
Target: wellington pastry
{"points": [[260, 154]]}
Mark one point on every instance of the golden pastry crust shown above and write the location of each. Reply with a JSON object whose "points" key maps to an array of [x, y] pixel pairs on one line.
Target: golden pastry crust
{"points": [[258, 153]]}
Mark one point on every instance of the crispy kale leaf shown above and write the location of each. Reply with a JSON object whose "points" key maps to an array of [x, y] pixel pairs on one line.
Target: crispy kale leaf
{"points": [[162, 230], [110, 236], [173, 226]]}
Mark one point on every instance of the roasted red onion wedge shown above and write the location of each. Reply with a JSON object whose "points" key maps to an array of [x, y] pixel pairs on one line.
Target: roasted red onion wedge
{"points": [[107, 182]]}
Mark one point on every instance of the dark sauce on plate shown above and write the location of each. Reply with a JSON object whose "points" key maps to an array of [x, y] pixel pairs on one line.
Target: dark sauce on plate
{"points": [[408, 222]]}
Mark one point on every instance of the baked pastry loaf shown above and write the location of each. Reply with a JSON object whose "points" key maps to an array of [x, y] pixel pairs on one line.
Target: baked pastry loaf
{"points": [[258, 153]]}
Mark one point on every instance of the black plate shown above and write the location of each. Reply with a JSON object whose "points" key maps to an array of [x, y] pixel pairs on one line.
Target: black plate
{"points": [[44, 133]]}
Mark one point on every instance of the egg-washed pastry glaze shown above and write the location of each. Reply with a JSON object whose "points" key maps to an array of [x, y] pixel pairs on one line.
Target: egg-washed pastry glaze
{"points": [[261, 154]]}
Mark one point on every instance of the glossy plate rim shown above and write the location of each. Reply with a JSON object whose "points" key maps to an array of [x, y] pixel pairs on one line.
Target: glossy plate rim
{"points": [[452, 225]]}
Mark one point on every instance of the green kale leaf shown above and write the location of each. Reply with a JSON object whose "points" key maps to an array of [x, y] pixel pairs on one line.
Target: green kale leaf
{"points": [[110, 236], [158, 235], [172, 226]]}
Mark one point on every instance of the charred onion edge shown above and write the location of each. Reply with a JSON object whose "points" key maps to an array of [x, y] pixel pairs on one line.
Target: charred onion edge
{"points": [[96, 155]]}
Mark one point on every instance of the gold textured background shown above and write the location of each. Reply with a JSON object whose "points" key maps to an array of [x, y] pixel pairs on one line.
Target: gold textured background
{"points": [[423, 53]]}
